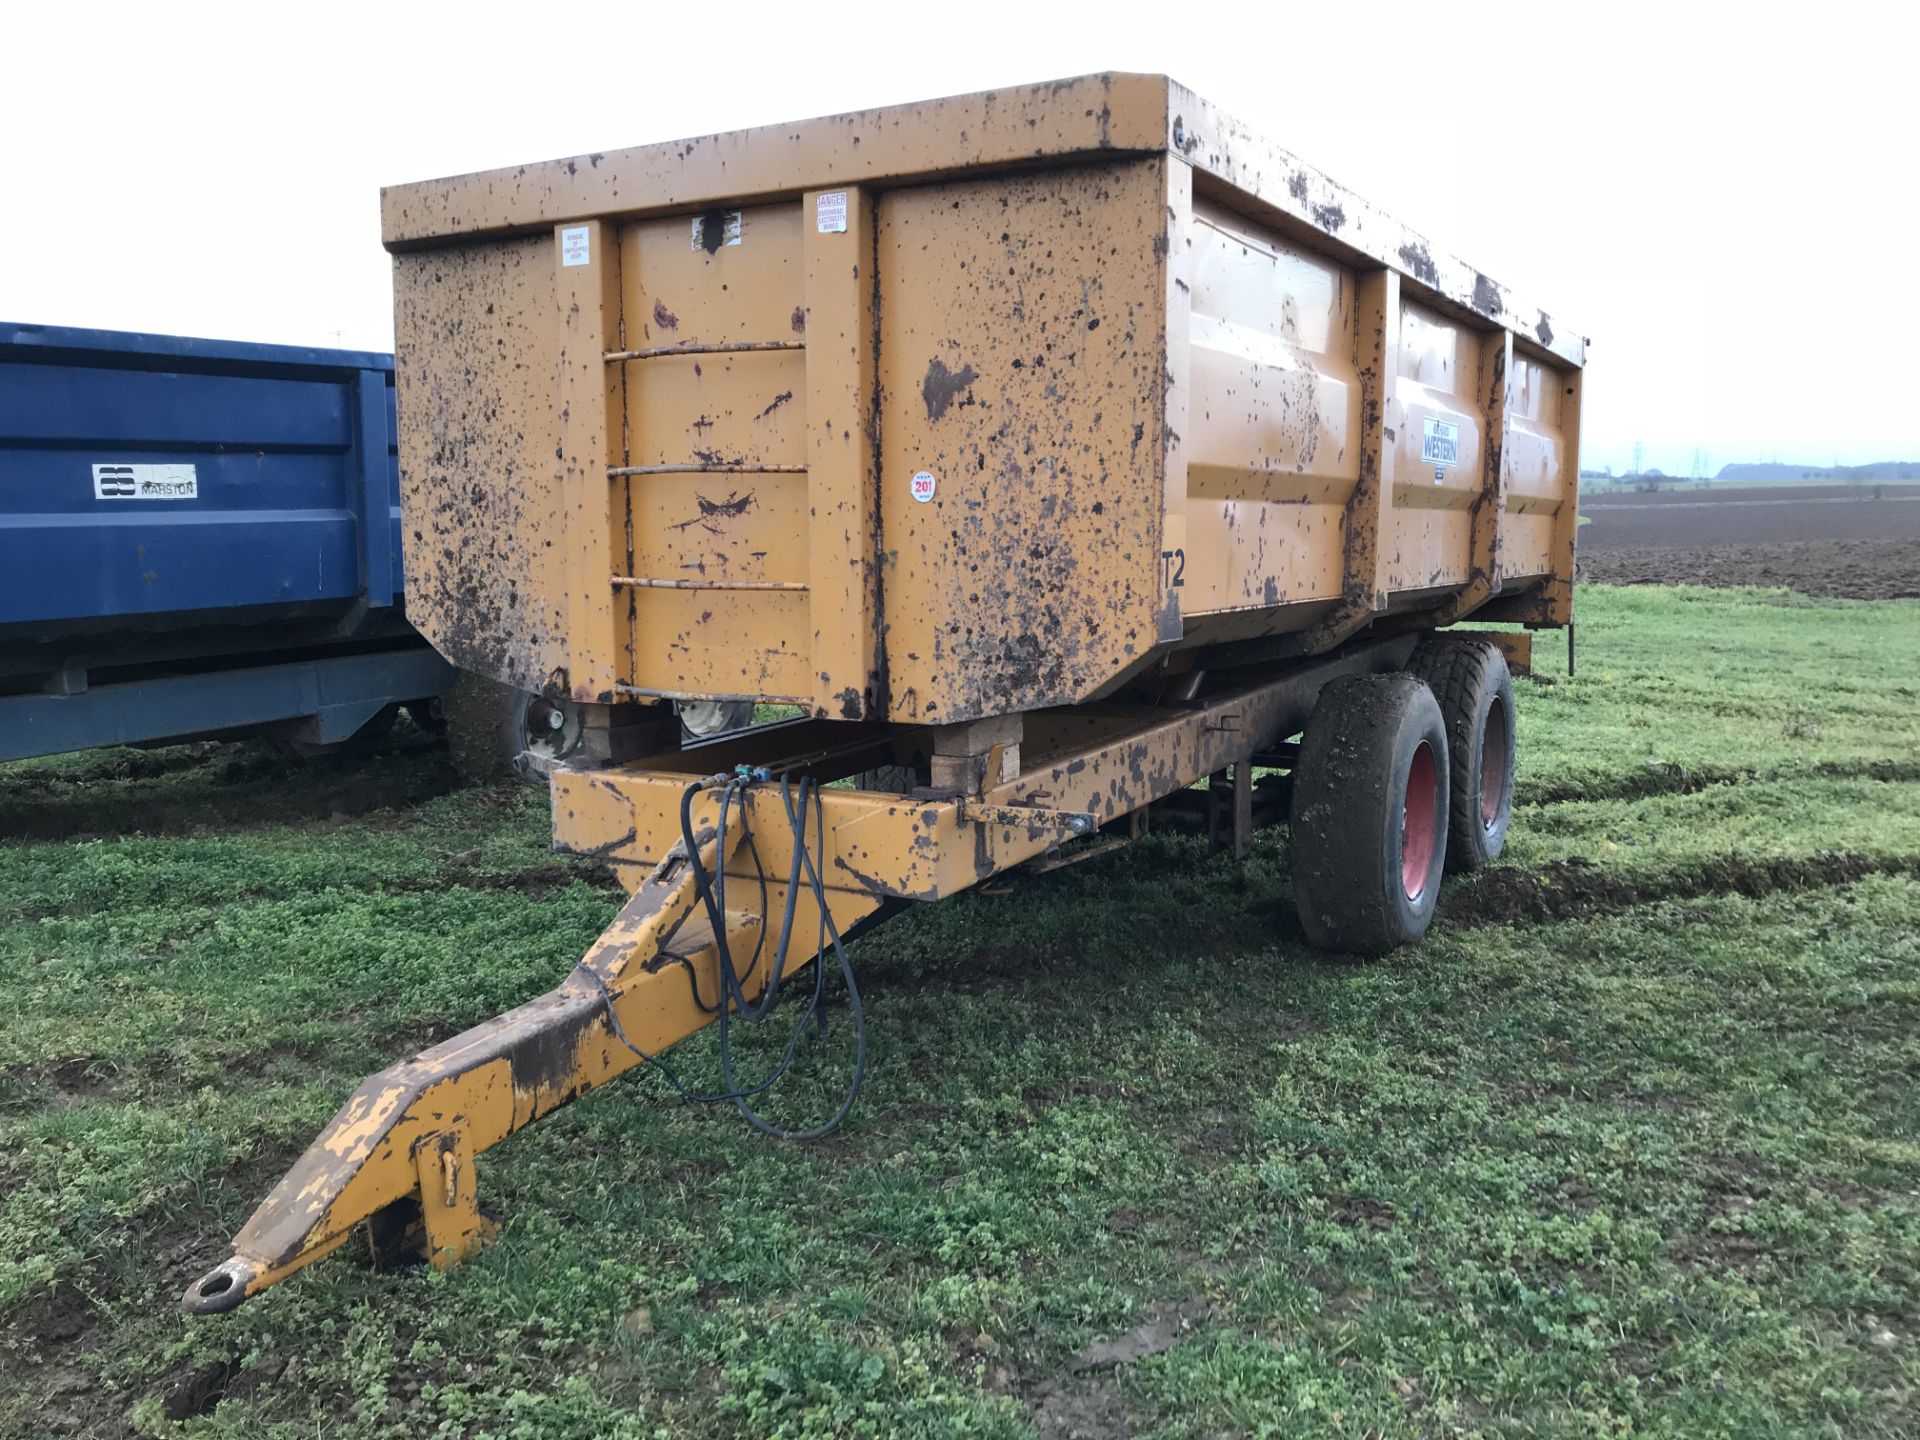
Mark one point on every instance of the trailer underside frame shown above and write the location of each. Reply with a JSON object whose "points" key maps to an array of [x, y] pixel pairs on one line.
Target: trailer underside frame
{"points": [[409, 1135]]}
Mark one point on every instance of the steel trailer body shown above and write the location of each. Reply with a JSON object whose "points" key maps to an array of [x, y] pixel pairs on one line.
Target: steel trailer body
{"points": [[663, 410], [1063, 447], [195, 537]]}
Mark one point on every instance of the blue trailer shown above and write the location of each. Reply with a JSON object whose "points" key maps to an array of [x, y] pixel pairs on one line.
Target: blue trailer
{"points": [[198, 538]]}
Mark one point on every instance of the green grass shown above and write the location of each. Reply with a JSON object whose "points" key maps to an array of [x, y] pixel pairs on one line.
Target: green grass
{"points": [[1631, 1145]]}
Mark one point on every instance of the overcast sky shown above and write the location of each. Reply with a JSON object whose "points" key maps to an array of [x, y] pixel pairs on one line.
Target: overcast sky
{"points": [[1721, 199]]}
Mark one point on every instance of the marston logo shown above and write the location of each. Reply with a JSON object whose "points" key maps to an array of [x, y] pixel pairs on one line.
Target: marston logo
{"points": [[113, 482], [146, 482]]}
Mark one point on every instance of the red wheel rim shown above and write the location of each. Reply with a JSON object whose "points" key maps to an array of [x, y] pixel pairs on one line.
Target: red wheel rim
{"points": [[1419, 821], [1493, 764]]}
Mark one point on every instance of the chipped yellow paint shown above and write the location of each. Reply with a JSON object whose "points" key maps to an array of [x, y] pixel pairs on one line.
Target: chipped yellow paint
{"points": [[470, 1092], [966, 441], [449, 1199], [1021, 350], [989, 407], [263, 1277], [587, 295], [1365, 520], [843, 509], [361, 1121], [481, 497], [659, 955], [1487, 513], [880, 845]]}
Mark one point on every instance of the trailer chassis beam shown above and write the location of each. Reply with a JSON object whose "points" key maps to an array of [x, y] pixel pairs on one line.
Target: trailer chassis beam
{"points": [[411, 1132], [409, 1135]]}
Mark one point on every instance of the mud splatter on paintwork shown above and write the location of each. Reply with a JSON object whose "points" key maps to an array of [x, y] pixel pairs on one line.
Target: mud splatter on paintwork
{"points": [[942, 385], [1486, 297], [1419, 263]]}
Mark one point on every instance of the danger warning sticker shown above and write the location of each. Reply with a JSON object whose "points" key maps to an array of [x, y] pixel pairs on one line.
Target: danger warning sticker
{"points": [[830, 213], [145, 482]]}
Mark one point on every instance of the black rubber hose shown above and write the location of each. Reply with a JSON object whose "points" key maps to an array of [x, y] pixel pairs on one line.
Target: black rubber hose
{"points": [[733, 996], [827, 928]]}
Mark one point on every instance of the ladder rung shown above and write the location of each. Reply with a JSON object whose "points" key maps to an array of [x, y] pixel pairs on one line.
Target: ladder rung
{"points": [[639, 582], [743, 348], [614, 472]]}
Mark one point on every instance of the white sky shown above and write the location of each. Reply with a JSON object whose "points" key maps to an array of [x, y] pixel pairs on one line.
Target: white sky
{"points": [[1722, 196]]}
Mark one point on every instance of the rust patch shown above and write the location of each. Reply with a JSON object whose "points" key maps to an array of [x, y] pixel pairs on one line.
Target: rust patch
{"points": [[1486, 296], [664, 317], [1329, 217], [799, 319], [782, 398], [942, 385], [1544, 330]]}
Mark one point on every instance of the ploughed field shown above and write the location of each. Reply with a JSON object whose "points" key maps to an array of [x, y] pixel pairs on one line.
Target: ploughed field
{"points": [[1630, 1143], [1857, 541]]}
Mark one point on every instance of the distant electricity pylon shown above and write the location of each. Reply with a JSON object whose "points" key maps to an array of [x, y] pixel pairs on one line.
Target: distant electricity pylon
{"points": [[1637, 447]]}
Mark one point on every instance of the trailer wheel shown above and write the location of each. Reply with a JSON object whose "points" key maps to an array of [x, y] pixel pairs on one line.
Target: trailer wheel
{"points": [[1369, 814], [704, 719], [495, 731], [1469, 678], [888, 779]]}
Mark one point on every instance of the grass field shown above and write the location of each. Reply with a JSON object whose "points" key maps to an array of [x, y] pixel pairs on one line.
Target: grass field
{"points": [[1630, 1145]]}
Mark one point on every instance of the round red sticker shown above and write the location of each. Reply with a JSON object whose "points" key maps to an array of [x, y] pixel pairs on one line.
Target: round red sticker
{"points": [[924, 485]]}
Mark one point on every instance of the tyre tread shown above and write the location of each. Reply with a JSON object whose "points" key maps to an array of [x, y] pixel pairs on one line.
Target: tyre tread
{"points": [[1457, 669], [1341, 772]]}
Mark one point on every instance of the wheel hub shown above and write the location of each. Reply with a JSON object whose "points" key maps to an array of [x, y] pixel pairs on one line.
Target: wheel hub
{"points": [[705, 717], [550, 729], [1419, 821], [1493, 765]]}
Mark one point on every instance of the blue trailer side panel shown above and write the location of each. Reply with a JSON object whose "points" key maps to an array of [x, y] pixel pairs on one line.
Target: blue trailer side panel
{"points": [[292, 462], [331, 697], [197, 537]]}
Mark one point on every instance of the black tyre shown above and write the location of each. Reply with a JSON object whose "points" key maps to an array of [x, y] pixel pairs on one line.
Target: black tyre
{"points": [[704, 719], [888, 779], [1469, 678], [1369, 814], [497, 731]]}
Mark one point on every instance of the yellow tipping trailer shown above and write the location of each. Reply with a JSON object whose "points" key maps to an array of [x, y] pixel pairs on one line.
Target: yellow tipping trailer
{"points": [[1057, 449]]}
